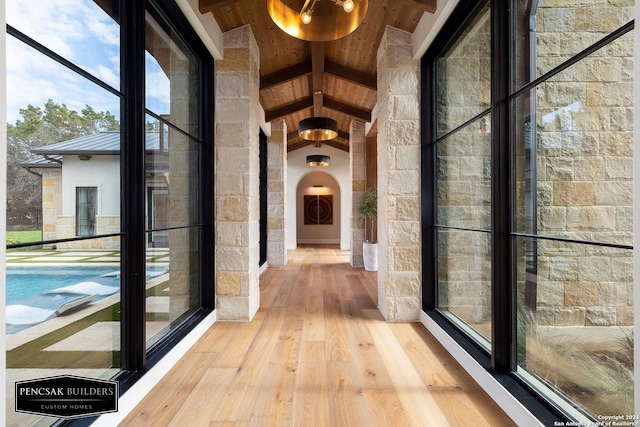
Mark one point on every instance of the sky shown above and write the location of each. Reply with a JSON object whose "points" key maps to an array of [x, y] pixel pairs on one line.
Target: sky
{"points": [[82, 33]]}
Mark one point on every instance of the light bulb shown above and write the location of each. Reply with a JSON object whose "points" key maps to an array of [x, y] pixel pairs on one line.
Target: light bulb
{"points": [[306, 18], [347, 5]]}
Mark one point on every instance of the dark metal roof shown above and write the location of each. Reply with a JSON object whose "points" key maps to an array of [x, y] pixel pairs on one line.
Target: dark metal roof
{"points": [[102, 143], [41, 162], [99, 143]]}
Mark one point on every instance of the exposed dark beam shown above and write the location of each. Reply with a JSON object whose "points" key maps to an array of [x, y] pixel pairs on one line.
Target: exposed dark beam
{"points": [[370, 81], [277, 113], [300, 144], [425, 5], [208, 5], [282, 76], [350, 110], [317, 65], [333, 143]]}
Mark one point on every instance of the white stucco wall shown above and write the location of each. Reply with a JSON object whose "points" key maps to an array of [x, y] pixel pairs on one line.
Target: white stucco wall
{"points": [[338, 169], [100, 171]]}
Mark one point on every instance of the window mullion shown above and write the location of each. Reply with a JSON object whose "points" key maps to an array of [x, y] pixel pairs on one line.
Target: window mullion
{"points": [[132, 187], [502, 294]]}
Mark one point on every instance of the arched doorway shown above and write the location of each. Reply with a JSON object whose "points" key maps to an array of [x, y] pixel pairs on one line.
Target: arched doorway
{"points": [[318, 208]]}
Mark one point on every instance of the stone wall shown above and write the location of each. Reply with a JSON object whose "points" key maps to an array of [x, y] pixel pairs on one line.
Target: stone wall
{"points": [[464, 177], [585, 166], [357, 160], [277, 195], [51, 202], [237, 177], [399, 273]]}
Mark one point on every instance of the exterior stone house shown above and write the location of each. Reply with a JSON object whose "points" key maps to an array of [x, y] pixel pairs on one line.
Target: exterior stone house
{"points": [[81, 189]]}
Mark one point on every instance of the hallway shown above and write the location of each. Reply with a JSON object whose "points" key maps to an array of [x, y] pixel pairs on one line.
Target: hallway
{"points": [[318, 352]]}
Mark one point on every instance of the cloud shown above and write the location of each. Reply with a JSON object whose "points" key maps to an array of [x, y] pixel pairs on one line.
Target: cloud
{"points": [[77, 30]]}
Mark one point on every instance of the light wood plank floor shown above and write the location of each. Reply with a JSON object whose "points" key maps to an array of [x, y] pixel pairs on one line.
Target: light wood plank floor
{"points": [[318, 353]]}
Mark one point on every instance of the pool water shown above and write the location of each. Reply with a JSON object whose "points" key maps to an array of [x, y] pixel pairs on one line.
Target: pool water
{"points": [[23, 282]]}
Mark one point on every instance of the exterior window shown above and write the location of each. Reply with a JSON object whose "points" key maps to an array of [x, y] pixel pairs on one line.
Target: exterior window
{"points": [[528, 173], [86, 207], [107, 186]]}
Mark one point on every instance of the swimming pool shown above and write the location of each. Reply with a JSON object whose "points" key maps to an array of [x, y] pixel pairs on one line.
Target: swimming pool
{"points": [[38, 293], [23, 282]]}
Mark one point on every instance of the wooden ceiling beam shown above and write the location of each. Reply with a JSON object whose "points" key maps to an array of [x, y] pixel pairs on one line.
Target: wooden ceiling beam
{"points": [[350, 110], [282, 76], [208, 5], [277, 113], [424, 5], [304, 143], [370, 81], [317, 65]]}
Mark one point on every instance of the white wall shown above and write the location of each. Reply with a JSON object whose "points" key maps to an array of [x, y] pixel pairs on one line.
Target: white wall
{"points": [[100, 171], [318, 233], [338, 169]]}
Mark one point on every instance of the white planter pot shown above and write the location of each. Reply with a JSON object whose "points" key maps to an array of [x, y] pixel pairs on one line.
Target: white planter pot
{"points": [[370, 256]]}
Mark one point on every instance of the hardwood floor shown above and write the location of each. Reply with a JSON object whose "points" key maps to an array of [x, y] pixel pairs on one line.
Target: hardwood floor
{"points": [[318, 353]]}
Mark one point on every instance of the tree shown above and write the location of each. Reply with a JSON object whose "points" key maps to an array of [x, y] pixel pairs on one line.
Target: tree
{"points": [[39, 127]]}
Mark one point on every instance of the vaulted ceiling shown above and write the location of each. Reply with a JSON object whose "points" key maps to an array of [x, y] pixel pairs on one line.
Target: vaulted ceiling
{"points": [[301, 79]]}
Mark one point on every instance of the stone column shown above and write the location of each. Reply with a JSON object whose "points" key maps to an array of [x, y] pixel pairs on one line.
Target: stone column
{"points": [[237, 177], [357, 166], [277, 194], [399, 278]]}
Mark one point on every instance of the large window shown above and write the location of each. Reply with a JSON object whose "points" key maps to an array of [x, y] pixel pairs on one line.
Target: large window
{"points": [[527, 150], [109, 188]]}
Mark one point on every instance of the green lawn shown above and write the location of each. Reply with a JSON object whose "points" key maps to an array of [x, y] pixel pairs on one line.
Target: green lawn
{"points": [[23, 236]]}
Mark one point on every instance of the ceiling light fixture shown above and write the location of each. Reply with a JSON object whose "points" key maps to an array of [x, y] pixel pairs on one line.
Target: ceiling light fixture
{"points": [[318, 129], [318, 20], [318, 160]]}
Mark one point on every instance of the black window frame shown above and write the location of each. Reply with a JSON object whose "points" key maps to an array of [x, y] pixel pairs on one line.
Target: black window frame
{"points": [[135, 358], [501, 361]]}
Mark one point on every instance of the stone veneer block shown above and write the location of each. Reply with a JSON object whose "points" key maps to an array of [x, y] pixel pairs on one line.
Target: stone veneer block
{"points": [[357, 167], [399, 296], [277, 194], [237, 177]]}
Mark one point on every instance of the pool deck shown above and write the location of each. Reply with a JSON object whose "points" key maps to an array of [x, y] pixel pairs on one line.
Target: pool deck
{"points": [[83, 257], [82, 342]]}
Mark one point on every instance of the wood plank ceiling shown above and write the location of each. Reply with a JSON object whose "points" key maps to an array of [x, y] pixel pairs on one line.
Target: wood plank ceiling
{"points": [[301, 79]]}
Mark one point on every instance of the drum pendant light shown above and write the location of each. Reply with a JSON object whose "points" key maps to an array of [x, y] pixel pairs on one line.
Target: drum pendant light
{"points": [[318, 20]]}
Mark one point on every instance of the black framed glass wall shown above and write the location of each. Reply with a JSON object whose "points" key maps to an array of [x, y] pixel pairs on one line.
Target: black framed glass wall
{"points": [[111, 176], [527, 187]]}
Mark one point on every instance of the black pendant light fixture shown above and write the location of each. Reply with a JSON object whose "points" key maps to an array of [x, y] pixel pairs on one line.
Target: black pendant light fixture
{"points": [[318, 129], [317, 20]]}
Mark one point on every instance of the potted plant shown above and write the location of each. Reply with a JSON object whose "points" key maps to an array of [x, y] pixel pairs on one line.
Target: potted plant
{"points": [[368, 209]]}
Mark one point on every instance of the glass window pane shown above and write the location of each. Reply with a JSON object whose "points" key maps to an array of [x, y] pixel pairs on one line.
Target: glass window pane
{"points": [[172, 178], [576, 170], [464, 177], [553, 34], [575, 322], [173, 277], [83, 32], [171, 77], [76, 131], [464, 76], [62, 316], [464, 280]]}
